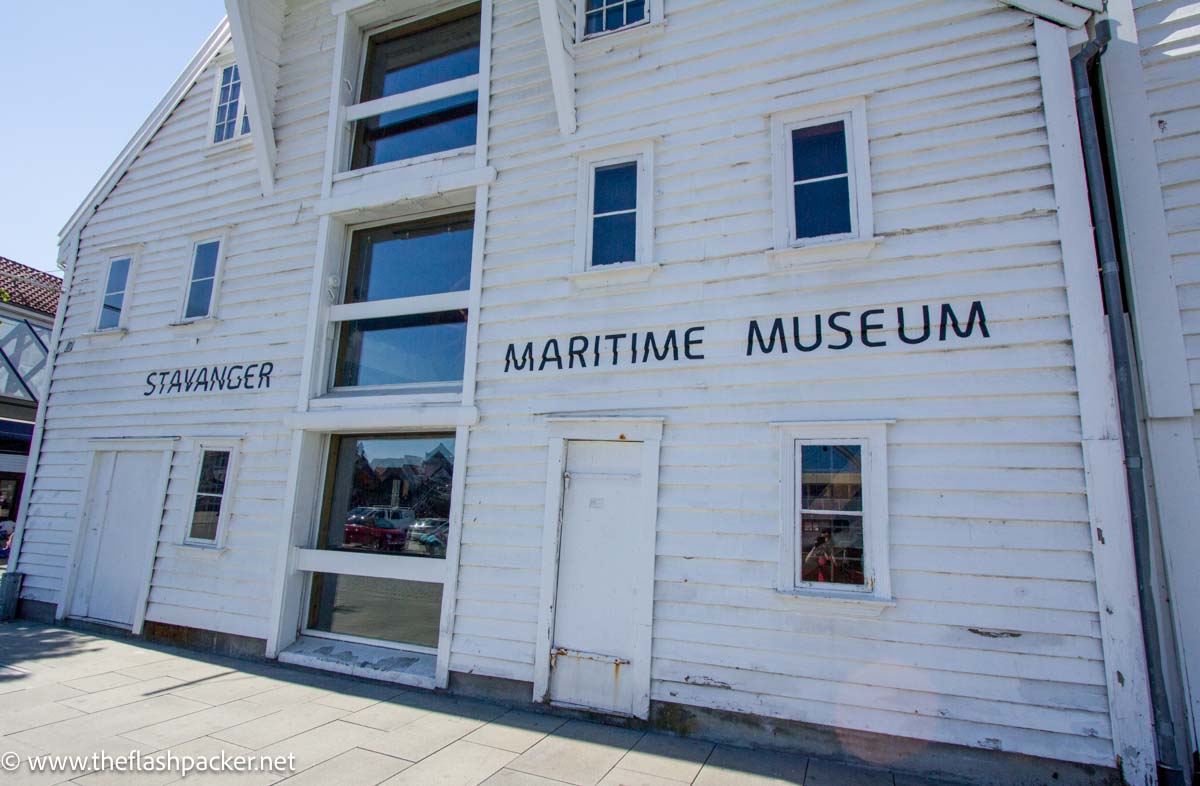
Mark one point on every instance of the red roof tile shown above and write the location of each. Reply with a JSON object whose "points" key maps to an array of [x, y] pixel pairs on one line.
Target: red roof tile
{"points": [[25, 287]]}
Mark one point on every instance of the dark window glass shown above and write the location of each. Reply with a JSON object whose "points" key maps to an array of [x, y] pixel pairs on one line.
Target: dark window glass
{"points": [[404, 612], [204, 271], [206, 512], [614, 211], [822, 208], [406, 260], [205, 264], [831, 519], [390, 495], [402, 350], [614, 239], [437, 50], [604, 15], [114, 293], [616, 188], [228, 104], [819, 151]]}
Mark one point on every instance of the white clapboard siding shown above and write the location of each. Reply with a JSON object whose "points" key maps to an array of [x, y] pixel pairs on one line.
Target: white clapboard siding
{"points": [[176, 188], [1169, 34], [994, 641]]}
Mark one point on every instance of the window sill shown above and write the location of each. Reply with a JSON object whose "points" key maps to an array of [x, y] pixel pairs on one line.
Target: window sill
{"points": [[374, 414], [839, 604], [240, 142], [820, 255], [202, 550], [200, 321], [405, 163], [380, 187], [107, 333], [613, 275], [599, 43]]}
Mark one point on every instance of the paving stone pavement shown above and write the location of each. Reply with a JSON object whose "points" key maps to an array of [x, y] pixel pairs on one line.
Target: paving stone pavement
{"points": [[67, 692]]}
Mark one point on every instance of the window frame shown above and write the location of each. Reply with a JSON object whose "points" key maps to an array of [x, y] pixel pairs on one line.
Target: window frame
{"points": [[641, 153], [212, 445], [654, 16], [853, 112], [112, 255], [358, 110], [222, 238], [221, 66], [340, 311], [871, 435]]}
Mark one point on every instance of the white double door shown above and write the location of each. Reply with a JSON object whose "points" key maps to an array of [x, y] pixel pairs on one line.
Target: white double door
{"points": [[596, 660], [121, 519]]}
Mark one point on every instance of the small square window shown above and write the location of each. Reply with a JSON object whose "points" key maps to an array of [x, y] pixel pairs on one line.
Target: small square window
{"points": [[615, 208], [202, 280], [210, 501], [822, 176], [604, 16], [112, 299], [834, 518], [230, 118]]}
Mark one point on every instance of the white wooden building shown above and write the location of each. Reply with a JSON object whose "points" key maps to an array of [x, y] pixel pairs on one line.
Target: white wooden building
{"points": [[716, 363]]}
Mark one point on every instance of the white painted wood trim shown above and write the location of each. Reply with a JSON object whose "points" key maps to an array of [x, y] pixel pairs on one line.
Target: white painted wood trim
{"points": [[254, 90], [644, 555], [221, 236], [556, 458], [653, 21], [132, 443], [400, 188], [475, 298], [484, 107], [374, 420], [615, 428], [1108, 500], [453, 548], [160, 499], [379, 566], [412, 98], [67, 592], [287, 583], [1054, 10], [133, 253], [641, 152], [202, 444], [401, 306], [562, 66]]}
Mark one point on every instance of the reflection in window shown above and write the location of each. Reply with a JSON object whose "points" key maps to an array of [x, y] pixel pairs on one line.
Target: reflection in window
{"points": [[407, 350], [390, 495], [401, 60], [410, 259], [405, 612], [210, 493], [203, 276], [820, 181], [114, 293], [831, 514], [230, 107]]}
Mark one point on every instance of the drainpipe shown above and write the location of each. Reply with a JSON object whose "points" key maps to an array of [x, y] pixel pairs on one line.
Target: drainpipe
{"points": [[1169, 771]]}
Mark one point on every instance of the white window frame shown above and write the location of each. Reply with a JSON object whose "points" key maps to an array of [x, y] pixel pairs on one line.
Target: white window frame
{"points": [[588, 162], [233, 447], [243, 110], [340, 311], [871, 435], [221, 237], [853, 112], [112, 255], [654, 15]]}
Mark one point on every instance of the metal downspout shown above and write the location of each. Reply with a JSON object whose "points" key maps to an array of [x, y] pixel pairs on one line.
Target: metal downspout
{"points": [[1169, 771]]}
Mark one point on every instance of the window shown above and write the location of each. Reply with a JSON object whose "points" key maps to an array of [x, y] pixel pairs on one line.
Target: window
{"points": [[822, 176], [202, 279], [112, 303], [387, 495], [209, 511], [834, 514], [230, 119], [420, 89], [597, 17], [615, 208], [403, 318]]}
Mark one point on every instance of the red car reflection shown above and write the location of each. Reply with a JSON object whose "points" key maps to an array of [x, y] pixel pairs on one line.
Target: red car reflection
{"points": [[379, 528]]}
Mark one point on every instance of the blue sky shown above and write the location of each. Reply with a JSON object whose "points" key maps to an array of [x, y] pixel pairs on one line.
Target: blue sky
{"points": [[79, 78]]}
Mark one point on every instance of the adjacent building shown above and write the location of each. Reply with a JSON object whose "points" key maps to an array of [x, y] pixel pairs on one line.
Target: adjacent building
{"points": [[723, 365]]}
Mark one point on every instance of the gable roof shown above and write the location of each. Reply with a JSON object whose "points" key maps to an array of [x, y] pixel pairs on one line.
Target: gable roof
{"points": [[118, 168], [28, 288]]}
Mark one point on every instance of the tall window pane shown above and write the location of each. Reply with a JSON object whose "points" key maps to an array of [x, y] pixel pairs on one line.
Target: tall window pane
{"points": [[411, 259], [614, 214], [203, 278], [228, 105], [114, 293], [402, 350], [821, 199], [831, 514], [210, 494]]}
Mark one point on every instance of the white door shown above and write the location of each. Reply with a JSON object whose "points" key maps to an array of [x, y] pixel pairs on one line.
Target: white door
{"points": [[122, 525], [595, 632]]}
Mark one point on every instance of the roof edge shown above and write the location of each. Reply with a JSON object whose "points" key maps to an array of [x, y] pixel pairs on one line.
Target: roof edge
{"points": [[212, 45], [1068, 13]]}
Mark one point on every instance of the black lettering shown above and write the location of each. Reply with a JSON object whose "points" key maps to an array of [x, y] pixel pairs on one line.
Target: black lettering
{"points": [[614, 340], [264, 375], [202, 379], [688, 342], [248, 377], [756, 334], [189, 379], [633, 345], [949, 318], [149, 384], [900, 329], [556, 358], [572, 352], [670, 347], [162, 381], [220, 375], [234, 378], [866, 328], [834, 325], [796, 334], [176, 382], [510, 357], [596, 352]]}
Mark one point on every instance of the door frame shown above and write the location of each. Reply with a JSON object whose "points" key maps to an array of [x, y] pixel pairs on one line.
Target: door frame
{"points": [[560, 430], [96, 446]]}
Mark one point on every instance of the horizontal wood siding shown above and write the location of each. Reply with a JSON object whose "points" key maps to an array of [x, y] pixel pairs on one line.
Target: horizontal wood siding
{"points": [[177, 187], [1169, 34], [994, 640]]}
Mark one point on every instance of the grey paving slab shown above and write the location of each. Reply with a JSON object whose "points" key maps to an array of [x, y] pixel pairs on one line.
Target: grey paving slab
{"points": [[322, 743], [580, 753], [516, 731], [126, 694], [619, 777], [422, 737], [355, 767], [279, 725], [198, 724], [388, 715], [208, 747], [668, 757], [112, 722], [741, 767], [19, 720], [507, 777], [458, 764], [832, 773], [218, 690], [99, 682]]}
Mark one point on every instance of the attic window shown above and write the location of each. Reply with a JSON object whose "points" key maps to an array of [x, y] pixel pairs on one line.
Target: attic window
{"points": [[598, 17], [229, 110]]}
